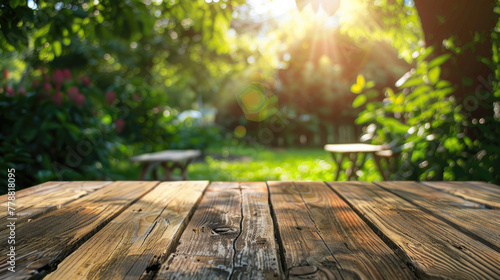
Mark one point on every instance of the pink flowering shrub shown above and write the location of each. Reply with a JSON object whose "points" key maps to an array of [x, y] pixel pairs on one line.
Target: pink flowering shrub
{"points": [[54, 127]]}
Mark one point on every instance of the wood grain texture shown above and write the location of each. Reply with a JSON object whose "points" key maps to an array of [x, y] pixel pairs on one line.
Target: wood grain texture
{"points": [[303, 248], [431, 246], [256, 248], [47, 240], [484, 193], [490, 186], [48, 198], [47, 186], [138, 239], [230, 236], [471, 217], [323, 237]]}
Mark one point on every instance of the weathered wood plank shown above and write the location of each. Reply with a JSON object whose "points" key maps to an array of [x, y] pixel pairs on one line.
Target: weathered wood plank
{"points": [[218, 242], [30, 206], [47, 240], [138, 239], [431, 246], [47, 186], [473, 218], [303, 249], [490, 186], [256, 249], [486, 194], [322, 236]]}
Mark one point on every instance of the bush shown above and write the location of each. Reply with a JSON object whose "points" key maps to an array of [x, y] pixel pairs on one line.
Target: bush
{"points": [[424, 122], [52, 129]]}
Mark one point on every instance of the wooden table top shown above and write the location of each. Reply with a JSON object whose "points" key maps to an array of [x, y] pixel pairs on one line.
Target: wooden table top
{"points": [[170, 155], [257, 230]]}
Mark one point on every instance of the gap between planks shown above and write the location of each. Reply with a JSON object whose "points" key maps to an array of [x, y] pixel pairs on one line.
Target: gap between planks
{"points": [[134, 244], [470, 217], [44, 242], [43, 187], [431, 246], [484, 193], [230, 236], [45, 198], [323, 238]]}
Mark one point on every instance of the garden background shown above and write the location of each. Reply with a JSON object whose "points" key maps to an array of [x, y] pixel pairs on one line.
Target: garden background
{"points": [[259, 86]]}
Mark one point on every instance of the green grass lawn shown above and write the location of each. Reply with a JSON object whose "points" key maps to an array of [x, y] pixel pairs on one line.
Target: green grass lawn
{"points": [[254, 164], [247, 164], [260, 164]]}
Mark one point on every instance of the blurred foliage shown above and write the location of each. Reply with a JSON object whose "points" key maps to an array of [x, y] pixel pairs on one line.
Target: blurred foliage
{"points": [[136, 65], [52, 129], [146, 61], [425, 125], [421, 121], [179, 47], [319, 66], [396, 21], [442, 129]]}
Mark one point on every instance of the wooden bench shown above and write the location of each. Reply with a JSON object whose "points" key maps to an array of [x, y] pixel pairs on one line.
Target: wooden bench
{"points": [[354, 151], [169, 160], [258, 230]]}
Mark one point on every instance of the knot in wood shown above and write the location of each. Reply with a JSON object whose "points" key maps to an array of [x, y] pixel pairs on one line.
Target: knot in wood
{"points": [[260, 240], [303, 270], [224, 230]]}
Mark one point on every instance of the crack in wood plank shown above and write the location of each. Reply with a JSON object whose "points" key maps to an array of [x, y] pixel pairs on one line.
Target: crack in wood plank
{"points": [[433, 247], [323, 238], [486, 194], [47, 240], [469, 217], [235, 251], [229, 236], [136, 242]]}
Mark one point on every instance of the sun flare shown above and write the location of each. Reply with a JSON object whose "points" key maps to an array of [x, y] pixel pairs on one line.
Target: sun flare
{"points": [[286, 9]]}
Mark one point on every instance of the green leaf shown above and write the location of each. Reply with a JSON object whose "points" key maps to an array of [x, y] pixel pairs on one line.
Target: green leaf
{"points": [[29, 134], [356, 89], [57, 48], [389, 92], [413, 82], [360, 100], [360, 80], [372, 93], [442, 93], [439, 60], [428, 51], [443, 84], [393, 125], [434, 74], [14, 3], [359, 85], [370, 84], [365, 117], [73, 129], [61, 116], [452, 144]]}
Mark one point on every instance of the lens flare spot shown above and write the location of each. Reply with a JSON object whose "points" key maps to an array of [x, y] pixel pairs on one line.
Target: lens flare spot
{"points": [[240, 131]]}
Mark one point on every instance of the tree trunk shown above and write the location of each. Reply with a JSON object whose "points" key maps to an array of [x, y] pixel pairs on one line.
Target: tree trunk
{"points": [[462, 19]]}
